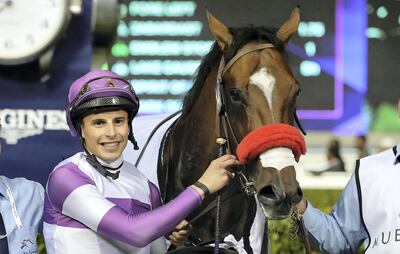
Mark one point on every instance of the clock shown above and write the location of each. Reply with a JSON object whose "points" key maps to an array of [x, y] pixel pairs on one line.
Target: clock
{"points": [[29, 29], [105, 20]]}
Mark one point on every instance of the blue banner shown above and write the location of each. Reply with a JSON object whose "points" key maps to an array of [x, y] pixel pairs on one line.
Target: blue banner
{"points": [[34, 136]]}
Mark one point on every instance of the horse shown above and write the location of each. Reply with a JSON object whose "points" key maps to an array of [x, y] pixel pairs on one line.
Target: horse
{"points": [[255, 88]]}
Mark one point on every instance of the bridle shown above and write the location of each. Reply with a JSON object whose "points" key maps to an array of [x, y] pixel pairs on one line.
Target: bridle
{"points": [[226, 131], [224, 121], [224, 125]]}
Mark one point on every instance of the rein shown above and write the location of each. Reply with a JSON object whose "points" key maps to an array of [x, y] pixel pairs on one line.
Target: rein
{"points": [[155, 129]]}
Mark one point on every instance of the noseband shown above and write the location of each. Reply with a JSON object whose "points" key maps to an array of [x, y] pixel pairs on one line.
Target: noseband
{"points": [[224, 125]]}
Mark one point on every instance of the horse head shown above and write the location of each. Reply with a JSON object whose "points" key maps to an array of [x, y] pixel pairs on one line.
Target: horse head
{"points": [[243, 85], [258, 89]]}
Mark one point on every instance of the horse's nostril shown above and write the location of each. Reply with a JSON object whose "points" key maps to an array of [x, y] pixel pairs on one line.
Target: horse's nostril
{"points": [[296, 199], [299, 192], [268, 192], [297, 196]]}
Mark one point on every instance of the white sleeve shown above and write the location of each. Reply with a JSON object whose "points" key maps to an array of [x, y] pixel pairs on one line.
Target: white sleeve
{"points": [[159, 246]]}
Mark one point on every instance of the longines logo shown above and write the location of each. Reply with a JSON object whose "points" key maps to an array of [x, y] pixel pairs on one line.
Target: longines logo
{"points": [[23, 123]]}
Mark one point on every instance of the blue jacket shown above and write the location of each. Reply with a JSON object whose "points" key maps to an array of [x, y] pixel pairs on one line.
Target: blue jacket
{"points": [[21, 205]]}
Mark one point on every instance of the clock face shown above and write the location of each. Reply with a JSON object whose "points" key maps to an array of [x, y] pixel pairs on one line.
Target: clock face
{"points": [[29, 27]]}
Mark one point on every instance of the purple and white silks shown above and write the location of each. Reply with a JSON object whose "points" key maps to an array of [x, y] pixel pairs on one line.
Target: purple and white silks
{"points": [[118, 214]]}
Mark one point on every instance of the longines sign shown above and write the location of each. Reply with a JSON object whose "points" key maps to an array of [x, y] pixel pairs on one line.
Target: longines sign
{"points": [[23, 123]]}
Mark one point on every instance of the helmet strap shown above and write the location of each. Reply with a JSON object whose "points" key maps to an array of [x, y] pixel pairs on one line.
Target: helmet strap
{"points": [[94, 162], [132, 138]]}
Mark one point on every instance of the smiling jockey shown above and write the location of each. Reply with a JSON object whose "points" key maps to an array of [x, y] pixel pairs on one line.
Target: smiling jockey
{"points": [[96, 202]]}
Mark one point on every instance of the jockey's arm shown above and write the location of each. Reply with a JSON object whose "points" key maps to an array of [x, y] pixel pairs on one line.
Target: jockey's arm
{"points": [[87, 205]]}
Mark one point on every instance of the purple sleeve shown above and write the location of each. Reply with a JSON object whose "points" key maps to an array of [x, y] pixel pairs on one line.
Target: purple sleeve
{"points": [[154, 195], [144, 228], [63, 181]]}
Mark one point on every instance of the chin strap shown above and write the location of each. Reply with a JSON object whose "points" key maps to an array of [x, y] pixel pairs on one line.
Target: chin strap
{"points": [[132, 138], [133, 141], [94, 162]]}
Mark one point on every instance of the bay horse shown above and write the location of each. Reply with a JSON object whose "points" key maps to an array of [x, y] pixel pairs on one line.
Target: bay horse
{"points": [[255, 88]]}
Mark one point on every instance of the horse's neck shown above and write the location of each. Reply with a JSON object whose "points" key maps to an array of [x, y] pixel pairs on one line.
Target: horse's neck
{"points": [[198, 132], [194, 142]]}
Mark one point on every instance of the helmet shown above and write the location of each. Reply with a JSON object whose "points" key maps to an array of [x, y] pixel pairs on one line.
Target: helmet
{"points": [[99, 91]]}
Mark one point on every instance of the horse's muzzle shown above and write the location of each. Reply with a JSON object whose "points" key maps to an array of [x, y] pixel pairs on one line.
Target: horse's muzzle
{"points": [[278, 196]]}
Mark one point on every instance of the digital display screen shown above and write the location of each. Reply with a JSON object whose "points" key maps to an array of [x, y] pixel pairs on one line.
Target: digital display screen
{"points": [[160, 45]]}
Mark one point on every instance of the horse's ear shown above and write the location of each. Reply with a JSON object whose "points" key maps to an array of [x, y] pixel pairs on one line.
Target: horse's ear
{"points": [[290, 26], [220, 32]]}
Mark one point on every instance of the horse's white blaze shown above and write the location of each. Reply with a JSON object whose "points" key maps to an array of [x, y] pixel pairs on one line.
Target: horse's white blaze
{"points": [[278, 158], [266, 82]]}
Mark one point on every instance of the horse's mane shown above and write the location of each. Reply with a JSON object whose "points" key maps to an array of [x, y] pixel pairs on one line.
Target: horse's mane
{"points": [[241, 36]]}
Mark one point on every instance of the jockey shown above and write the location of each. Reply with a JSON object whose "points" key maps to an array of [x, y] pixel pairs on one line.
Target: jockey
{"points": [[95, 201], [367, 211]]}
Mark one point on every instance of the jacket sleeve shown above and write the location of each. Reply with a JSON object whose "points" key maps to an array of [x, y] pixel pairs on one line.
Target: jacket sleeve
{"points": [[341, 231]]}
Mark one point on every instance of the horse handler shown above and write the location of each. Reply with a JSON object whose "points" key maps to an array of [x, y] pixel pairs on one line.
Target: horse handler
{"points": [[21, 210], [95, 201], [367, 212]]}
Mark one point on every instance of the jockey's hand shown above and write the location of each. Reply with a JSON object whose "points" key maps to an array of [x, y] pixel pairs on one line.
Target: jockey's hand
{"points": [[179, 236], [217, 174]]}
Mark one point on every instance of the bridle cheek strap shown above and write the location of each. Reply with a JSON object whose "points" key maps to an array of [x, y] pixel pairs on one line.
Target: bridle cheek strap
{"points": [[270, 136]]}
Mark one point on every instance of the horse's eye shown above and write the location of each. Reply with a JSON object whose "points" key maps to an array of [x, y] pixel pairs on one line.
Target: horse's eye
{"points": [[235, 94], [298, 92]]}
